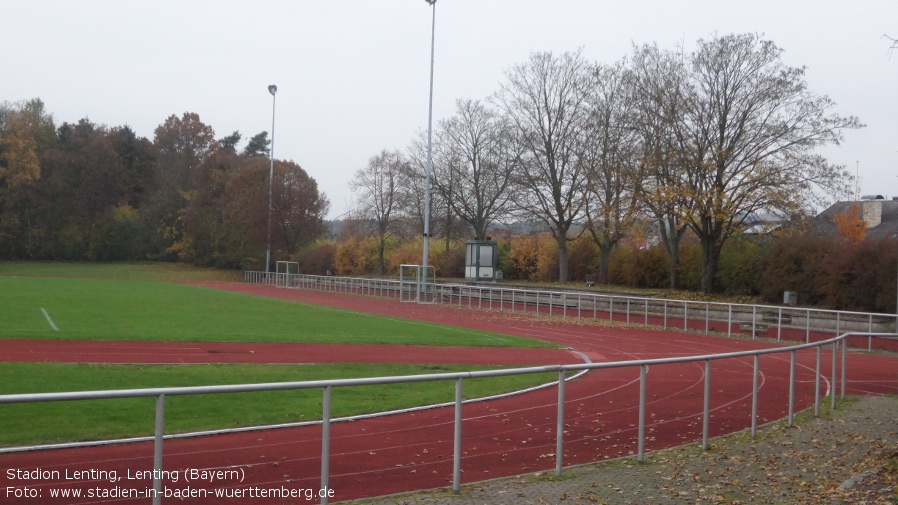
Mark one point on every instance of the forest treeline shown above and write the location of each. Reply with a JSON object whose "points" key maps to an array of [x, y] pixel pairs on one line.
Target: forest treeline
{"points": [[88, 192]]}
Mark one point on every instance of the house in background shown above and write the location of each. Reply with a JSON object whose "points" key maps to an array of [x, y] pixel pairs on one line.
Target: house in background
{"points": [[879, 215]]}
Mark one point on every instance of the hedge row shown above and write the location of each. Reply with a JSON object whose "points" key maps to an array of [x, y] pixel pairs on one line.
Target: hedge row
{"points": [[825, 272]]}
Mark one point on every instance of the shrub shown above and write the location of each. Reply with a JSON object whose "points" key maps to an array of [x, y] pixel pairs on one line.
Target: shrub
{"points": [[522, 261], [691, 266], [739, 269], [639, 268], [356, 255], [317, 260], [859, 276], [795, 264], [582, 258], [547, 258]]}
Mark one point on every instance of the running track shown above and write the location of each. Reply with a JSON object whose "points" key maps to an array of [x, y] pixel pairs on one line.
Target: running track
{"points": [[414, 451]]}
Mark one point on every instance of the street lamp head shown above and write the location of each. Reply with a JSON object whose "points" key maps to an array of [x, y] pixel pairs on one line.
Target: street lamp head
{"points": [[431, 2], [274, 89]]}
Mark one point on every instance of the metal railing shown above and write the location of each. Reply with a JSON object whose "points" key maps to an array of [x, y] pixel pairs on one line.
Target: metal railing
{"points": [[328, 385], [771, 321]]}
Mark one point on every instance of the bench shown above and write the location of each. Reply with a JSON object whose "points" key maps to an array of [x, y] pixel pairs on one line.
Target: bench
{"points": [[775, 318], [590, 280], [758, 328]]}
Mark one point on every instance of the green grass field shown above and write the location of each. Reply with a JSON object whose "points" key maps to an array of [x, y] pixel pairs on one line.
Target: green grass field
{"points": [[107, 309], [128, 302]]}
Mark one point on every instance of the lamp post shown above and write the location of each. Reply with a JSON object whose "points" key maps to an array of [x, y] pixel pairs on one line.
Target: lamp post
{"points": [[433, 4], [273, 90]]}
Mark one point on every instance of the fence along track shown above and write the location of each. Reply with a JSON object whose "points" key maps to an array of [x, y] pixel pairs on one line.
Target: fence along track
{"points": [[755, 321]]}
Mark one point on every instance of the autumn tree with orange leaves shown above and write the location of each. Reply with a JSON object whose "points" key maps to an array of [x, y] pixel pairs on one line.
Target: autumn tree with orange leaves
{"points": [[851, 225]]}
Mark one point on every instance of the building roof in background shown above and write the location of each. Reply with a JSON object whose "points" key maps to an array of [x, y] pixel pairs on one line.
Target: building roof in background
{"points": [[885, 226]]}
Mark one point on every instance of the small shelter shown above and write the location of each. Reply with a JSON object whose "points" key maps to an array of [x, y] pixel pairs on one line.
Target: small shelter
{"points": [[481, 260]]}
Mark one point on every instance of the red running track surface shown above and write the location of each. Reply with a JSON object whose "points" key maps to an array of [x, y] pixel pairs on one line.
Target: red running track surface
{"points": [[413, 451]]}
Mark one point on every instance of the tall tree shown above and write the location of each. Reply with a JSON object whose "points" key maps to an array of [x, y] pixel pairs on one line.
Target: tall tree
{"points": [[204, 216], [83, 182], [610, 147], [231, 141], [445, 221], [258, 145], [298, 208], [479, 158], [297, 215], [181, 143], [544, 98], [18, 153], [138, 161], [27, 131], [659, 80], [753, 126], [378, 189]]}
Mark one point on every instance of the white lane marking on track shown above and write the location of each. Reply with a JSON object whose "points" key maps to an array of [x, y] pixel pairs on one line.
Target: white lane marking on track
{"points": [[46, 315]]}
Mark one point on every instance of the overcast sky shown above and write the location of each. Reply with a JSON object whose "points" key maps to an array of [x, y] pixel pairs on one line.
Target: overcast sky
{"points": [[353, 75]]}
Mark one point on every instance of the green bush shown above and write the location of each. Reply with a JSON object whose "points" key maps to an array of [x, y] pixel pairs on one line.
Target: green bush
{"points": [[739, 269], [691, 266], [796, 264]]}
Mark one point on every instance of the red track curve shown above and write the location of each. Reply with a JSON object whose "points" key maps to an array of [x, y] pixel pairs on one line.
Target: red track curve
{"points": [[500, 438]]}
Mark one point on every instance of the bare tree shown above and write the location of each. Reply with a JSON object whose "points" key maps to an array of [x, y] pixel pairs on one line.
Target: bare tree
{"points": [[479, 156], [753, 128], [444, 221], [610, 147], [378, 187], [659, 81], [544, 98]]}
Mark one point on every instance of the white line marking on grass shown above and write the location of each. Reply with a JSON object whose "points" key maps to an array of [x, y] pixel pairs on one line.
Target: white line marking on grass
{"points": [[49, 320]]}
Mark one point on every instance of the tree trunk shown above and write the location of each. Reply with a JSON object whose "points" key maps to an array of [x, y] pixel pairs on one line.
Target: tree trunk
{"points": [[710, 257], [673, 255], [604, 260], [563, 271], [671, 240], [381, 247]]}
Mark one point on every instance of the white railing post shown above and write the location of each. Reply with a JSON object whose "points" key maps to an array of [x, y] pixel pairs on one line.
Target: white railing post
{"points": [[456, 453], [844, 364], [817, 385], [754, 397], [791, 386], [157, 449], [706, 410], [559, 430], [325, 442], [640, 453], [832, 394]]}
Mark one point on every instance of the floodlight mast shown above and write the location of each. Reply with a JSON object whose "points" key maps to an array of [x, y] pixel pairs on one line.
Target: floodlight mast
{"points": [[429, 166], [273, 90]]}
